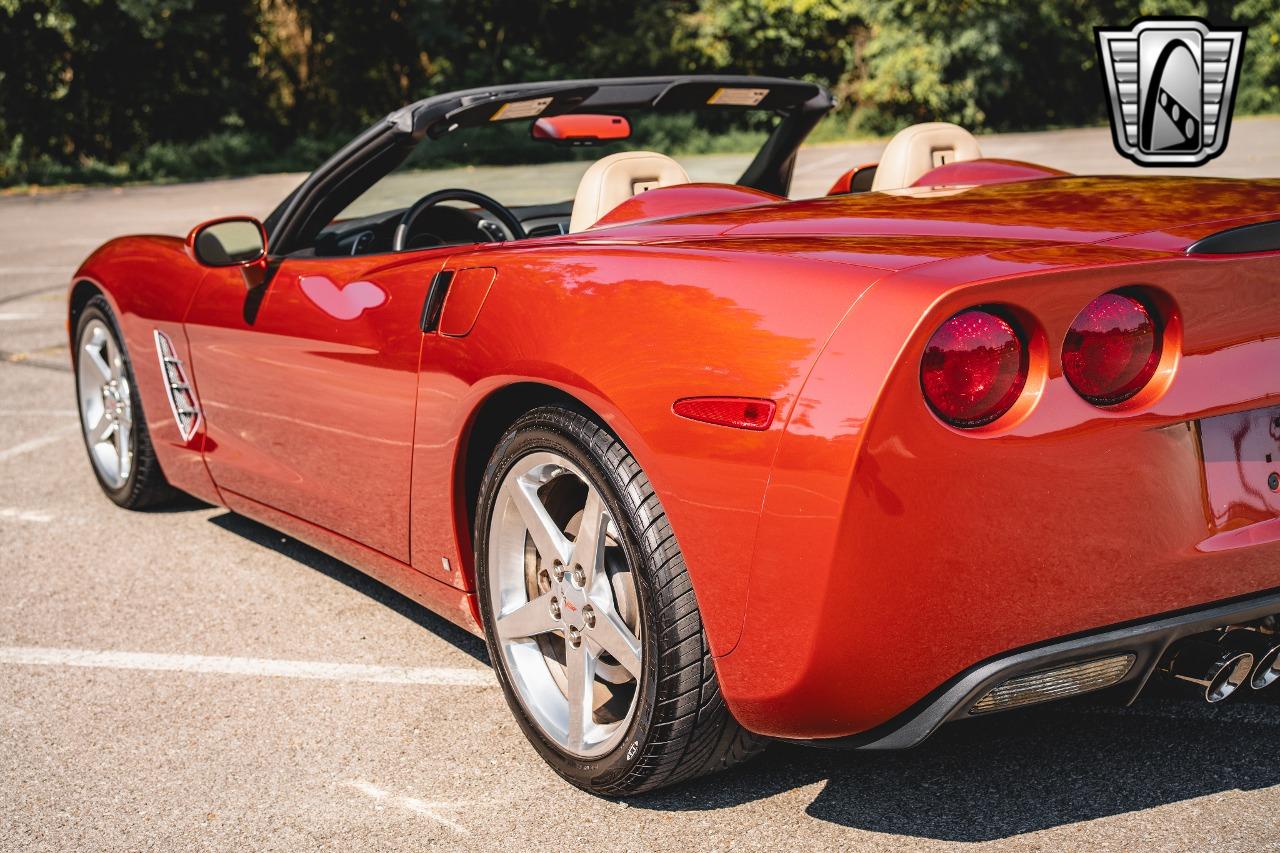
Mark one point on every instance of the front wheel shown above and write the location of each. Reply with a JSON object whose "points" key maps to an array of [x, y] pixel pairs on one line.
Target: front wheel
{"points": [[590, 617], [111, 421]]}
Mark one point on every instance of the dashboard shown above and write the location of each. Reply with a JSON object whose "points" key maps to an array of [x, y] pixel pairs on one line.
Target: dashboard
{"points": [[437, 226]]}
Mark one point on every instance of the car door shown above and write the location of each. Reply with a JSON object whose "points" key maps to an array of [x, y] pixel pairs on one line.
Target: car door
{"points": [[308, 385]]}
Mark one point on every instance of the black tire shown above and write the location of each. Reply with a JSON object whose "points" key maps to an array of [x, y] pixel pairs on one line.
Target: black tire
{"points": [[146, 485], [682, 728]]}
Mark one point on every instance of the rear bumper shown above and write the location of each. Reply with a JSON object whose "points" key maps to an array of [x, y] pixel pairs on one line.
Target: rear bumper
{"points": [[1147, 640]]}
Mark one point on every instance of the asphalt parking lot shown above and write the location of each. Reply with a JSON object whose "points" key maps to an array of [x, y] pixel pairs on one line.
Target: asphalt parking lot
{"points": [[191, 679]]}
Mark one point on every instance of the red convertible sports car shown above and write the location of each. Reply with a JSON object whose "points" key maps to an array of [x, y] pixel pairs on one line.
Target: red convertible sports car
{"points": [[705, 465]]}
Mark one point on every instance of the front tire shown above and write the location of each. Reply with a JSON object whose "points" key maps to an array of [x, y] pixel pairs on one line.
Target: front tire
{"points": [[589, 614], [114, 429]]}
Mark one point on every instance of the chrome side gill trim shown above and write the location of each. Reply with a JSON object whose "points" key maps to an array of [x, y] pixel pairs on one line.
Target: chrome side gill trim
{"points": [[182, 399]]}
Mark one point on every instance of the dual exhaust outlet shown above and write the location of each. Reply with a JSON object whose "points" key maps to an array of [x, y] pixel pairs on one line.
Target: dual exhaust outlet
{"points": [[1214, 668]]}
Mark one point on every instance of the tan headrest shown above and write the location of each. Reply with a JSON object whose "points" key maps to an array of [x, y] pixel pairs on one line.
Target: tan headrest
{"points": [[612, 180], [919, 148]]}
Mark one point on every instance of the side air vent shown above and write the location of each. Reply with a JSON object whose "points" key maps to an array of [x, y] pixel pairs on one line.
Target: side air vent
{"points": [[1259, 237], [182, 400]]}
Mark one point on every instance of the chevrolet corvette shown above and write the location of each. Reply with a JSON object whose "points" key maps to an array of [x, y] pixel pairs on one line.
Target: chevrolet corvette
{"points": [[706, 465]]}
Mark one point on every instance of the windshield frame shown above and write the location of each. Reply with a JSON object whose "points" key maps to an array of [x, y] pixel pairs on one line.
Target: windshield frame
{"points": [[297, 221]]}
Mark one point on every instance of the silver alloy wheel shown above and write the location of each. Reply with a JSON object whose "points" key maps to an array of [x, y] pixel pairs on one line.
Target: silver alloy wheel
{"points": [[565, 605], [106, 410]]}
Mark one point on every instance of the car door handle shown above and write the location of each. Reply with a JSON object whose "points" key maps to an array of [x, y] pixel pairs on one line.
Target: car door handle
{"points": [[435, 300]]}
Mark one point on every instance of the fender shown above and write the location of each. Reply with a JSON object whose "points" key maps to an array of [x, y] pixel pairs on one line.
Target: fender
{"points": [[682, 325], [149, 281]]}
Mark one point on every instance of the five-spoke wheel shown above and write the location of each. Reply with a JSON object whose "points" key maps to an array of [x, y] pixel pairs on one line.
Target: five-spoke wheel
{"points": [[589, 613], [115, 432], [106, 409], [565, 599]]}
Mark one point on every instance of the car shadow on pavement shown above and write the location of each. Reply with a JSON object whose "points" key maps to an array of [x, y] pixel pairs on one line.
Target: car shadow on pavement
{"points": [[180, 502], [344, 574], [976, 780], [990, 779]]}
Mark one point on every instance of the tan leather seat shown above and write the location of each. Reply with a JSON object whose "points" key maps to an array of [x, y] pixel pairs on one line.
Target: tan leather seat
{"points": [[917, 149], [612, 180]]}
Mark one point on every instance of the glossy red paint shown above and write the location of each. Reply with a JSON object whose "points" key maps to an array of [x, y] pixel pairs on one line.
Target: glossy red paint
{"points": [[985, 171], [467, 293], [634, 328], [309, 407], [859, 552], [1099, 512]]}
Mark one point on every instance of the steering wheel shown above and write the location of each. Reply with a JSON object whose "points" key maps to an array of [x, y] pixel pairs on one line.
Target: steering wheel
{"points": [[492, 206]]}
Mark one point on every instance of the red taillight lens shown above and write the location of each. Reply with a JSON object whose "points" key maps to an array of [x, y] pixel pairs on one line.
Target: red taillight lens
{"points": [[974, 368], [1112, 349]]}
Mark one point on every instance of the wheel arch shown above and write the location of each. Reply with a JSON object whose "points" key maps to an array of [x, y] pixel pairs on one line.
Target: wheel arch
{"points": [[82, 290], [494, 415]]}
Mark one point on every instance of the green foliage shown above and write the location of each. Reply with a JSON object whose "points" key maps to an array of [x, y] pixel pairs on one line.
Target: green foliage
{"points": [[113, 90], [1012, 65], [1261, 74]]}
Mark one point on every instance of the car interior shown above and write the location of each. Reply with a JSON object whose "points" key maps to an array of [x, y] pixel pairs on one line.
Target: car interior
{"points": [[436, 219], [457, 216]]}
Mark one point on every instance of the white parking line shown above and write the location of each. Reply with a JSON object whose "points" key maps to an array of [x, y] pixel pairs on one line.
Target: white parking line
{"points": [[425, 675], [37, 443], [23, 514], [427, 810]]}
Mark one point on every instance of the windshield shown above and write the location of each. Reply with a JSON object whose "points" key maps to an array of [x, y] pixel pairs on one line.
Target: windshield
{"points": [[502, 160]]}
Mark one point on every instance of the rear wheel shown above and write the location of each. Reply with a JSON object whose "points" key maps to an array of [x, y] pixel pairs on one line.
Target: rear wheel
{"points": [[115, 432], [591, 621]]}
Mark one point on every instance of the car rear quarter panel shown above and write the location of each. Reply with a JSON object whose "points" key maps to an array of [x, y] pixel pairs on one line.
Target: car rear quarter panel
{"points": [[895, 551], [149, 282], [628, 330]]}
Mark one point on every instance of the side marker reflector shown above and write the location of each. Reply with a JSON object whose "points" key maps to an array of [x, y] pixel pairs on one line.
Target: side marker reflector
{"points": [[1057, 683], [737, 412]]}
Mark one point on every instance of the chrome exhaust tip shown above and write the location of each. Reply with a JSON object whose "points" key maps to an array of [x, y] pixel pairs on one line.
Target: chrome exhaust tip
{"points": [[1267, 669], [1265, 649], [1208, 670]]}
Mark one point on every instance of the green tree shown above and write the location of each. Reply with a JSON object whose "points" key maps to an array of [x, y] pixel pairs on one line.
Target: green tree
{"points": [[93, 80], [111, 89]]}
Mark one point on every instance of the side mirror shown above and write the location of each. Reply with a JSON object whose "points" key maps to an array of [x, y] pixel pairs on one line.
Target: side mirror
{"points": [[581, 129], [234, 241]]}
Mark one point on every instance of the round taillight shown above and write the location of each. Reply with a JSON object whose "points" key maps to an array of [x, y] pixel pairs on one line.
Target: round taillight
{"points": [[974, 368], [1112, 349]]}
